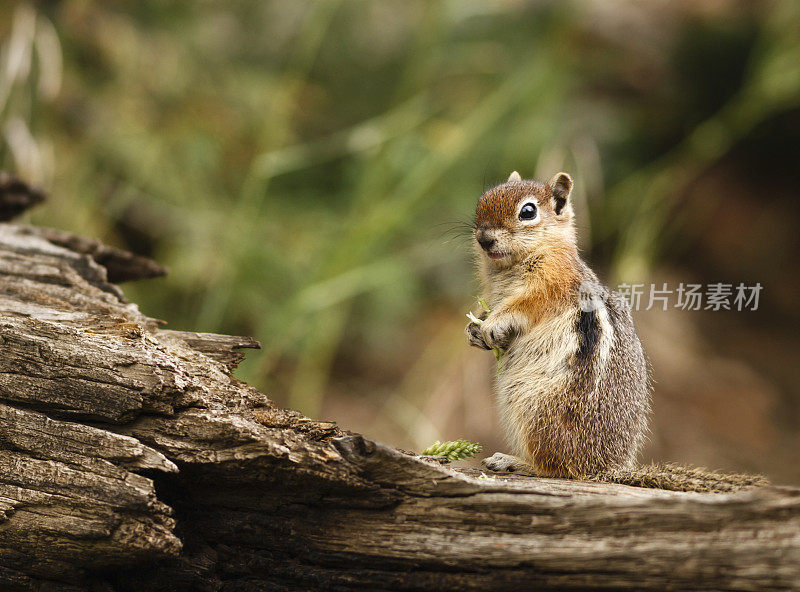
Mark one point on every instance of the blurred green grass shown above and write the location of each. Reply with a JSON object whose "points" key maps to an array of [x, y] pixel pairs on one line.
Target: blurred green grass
{"points": [[306, 169]]}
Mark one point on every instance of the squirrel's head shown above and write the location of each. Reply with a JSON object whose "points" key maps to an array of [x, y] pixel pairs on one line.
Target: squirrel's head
{"points": [[521, 217]]}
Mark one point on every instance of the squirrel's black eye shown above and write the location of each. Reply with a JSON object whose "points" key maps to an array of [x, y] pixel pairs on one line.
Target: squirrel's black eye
{"points": [[528, 212]]}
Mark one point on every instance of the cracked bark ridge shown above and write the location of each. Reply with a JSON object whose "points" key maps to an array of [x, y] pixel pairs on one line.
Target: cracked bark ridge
{"points": [[131, 460], [16, 196], [120, 266]]}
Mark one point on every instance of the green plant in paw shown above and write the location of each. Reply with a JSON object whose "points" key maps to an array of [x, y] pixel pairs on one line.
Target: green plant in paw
{"points": [[498, 353], [453, 450]]}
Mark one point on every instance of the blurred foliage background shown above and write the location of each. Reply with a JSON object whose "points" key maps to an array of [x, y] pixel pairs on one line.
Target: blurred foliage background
{"points": [[308, 171]]}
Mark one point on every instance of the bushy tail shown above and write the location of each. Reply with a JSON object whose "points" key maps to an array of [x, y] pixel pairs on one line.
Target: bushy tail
{"points": [[680, 478]]}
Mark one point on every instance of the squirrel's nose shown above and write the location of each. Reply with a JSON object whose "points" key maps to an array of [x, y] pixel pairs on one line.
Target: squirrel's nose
{"points": [[486, 242]]}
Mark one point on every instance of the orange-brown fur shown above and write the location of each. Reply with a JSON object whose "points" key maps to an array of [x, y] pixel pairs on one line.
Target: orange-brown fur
{"points": [[549, 272]]}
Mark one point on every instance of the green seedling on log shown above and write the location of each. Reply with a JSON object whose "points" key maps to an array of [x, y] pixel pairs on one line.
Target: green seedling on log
{"points": [[454, 450]]}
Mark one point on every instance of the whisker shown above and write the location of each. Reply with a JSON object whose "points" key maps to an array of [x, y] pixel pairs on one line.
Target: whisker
{"points": [[457, 229]]}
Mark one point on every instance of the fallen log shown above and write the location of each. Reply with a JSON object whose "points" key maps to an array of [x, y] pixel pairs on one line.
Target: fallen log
{"points": [[132, 460]]}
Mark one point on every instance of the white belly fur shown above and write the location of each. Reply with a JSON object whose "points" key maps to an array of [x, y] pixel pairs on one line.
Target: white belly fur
{"points": [[534, 371]]}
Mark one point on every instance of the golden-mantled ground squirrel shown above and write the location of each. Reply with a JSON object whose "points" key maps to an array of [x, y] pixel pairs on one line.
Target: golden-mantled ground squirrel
{"points": [[572, 385]]}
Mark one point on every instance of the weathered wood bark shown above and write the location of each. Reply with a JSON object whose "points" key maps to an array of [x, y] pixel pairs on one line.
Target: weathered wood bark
{"points": [[16, 196], [130, 459]]}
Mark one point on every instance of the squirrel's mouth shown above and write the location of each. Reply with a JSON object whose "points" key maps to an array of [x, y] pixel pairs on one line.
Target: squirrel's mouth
{"points": [[496, 255]]}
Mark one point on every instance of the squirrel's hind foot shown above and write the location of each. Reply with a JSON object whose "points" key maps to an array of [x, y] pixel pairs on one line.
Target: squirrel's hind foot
{"points": [[506, 463]]}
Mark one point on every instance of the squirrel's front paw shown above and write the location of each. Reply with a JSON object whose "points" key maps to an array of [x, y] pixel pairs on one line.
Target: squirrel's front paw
{"points": [[498, 331], [475, 336]]}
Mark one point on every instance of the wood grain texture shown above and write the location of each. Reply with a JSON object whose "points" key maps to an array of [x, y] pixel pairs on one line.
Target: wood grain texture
{"points": [[131, 460]]}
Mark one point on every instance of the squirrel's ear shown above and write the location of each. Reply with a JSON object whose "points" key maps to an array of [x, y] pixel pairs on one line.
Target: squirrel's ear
{"points": [[514, 178], [561, 186]]}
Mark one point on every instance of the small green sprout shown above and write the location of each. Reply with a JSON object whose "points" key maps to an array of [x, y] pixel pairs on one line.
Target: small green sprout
{"points": [[454, 450]]}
